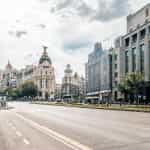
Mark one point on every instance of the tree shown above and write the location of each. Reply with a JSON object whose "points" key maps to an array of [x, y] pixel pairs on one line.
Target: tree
{"points": [[29, 89], [132, 85], [12, 93]]}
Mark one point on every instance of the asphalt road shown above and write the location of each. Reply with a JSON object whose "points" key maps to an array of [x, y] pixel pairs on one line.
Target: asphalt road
{"points": [[40, 127]]}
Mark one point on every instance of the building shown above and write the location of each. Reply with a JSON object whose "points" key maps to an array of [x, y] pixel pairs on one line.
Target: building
{"points": [[82, 86], [25, 74], [135, 48], [43, 76], [117, 68], [98, 75], [58, 92], [8, 77], [73, 86]]}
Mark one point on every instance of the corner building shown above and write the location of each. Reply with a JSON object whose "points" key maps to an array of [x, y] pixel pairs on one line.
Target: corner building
{"points": [[135, 48], [44, 77]]}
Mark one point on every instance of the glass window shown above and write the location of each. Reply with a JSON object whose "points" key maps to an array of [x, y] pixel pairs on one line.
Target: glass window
{"points": [[134, 38], [126, 61], [41, 83], [133, 59], [127, 42], [142, 34], [46, 83], [116, 74], [142, 58], [116, 56]]}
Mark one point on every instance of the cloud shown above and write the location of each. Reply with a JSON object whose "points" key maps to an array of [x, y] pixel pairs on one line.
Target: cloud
{"points": [[17, 33], [76, 45], [42, 26], [28, 56], [112, 10], [105, 10], [20, 33]]}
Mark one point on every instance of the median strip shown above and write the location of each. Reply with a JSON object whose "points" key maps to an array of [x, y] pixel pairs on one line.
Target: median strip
{"points": [[133, 108], [55, 135]]}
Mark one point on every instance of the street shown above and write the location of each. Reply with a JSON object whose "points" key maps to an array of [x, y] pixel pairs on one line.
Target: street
{"points": [[40, 127]]}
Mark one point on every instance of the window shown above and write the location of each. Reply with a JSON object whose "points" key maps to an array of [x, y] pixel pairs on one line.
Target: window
{"points": [[142, 58], [116, 74], [127, 42], [115, 56], [147, 12], [142, 34], [134, 38], [126, 61], [115, 66], [41, 83], [46, 83], [133, 59], [116, 83]]}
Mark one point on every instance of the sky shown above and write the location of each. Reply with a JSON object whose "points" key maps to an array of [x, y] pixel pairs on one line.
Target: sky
{"points": [[69, 28]]}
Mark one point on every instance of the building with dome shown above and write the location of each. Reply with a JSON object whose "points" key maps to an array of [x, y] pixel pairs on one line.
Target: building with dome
{"points": [[73, 86], [8, 77], [44, 76]]}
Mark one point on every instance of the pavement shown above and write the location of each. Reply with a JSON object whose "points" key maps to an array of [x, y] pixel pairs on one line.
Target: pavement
{"points": [[41, 127]]}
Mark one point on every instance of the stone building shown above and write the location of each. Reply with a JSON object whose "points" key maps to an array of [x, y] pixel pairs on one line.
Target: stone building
{"points": [[73, 86], [135, 48], [58, 92], [43, 76], [117, 68], [98, 75], [8, 77]]}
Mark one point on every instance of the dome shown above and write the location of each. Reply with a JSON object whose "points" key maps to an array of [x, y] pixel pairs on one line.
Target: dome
{"points": [[45, 57], [68, 69], [8, 66]]}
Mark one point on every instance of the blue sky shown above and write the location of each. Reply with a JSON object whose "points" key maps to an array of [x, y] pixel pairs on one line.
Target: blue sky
{"points": [[68, 27]]}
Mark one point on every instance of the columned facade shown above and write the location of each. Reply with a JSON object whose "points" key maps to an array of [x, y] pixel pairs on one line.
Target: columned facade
{"points": [[44, 77], [136, 46]]}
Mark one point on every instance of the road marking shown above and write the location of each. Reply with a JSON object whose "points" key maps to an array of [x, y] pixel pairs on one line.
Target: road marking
{"points": [[57, 136], [25, 141], [18, 133]]}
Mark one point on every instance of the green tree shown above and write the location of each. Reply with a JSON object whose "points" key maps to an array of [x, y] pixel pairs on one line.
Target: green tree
{"points": [[13, 93], [132, 85], [28, 89]]}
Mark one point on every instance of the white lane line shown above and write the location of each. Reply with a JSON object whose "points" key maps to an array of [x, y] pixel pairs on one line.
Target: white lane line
{"points": [[57, 136], [18, 134], [25, 141]]}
